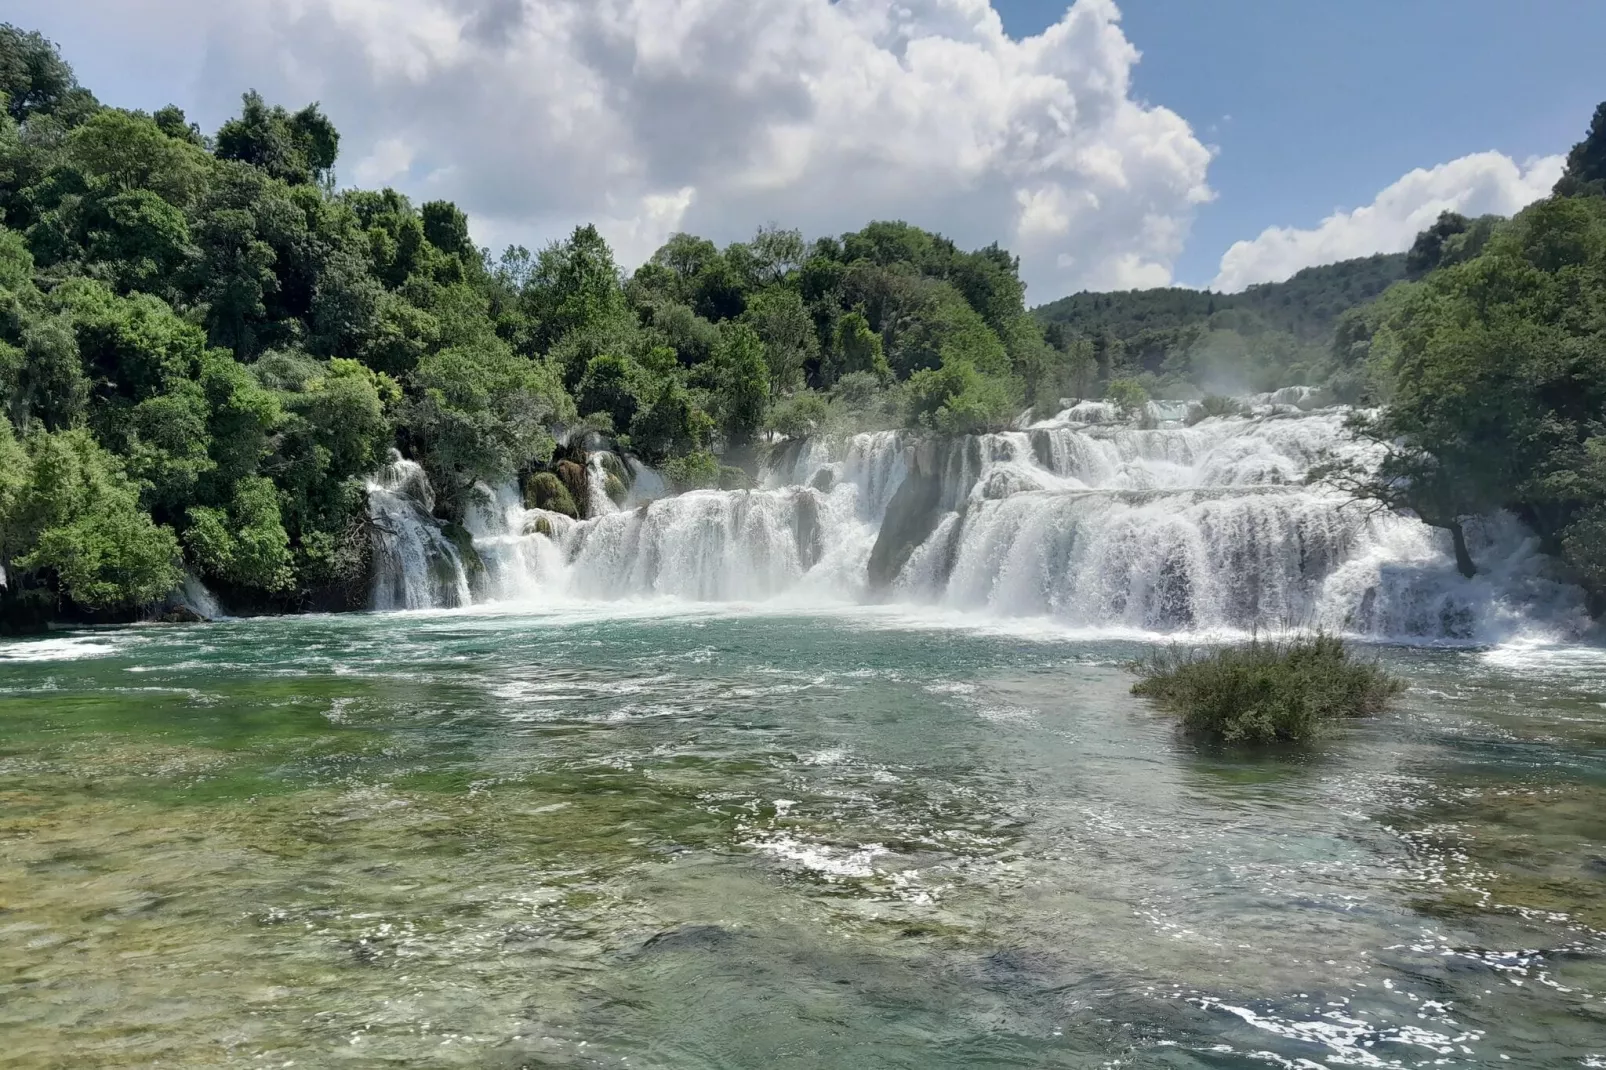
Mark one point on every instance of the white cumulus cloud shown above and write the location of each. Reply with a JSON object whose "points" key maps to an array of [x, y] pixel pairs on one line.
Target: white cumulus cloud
{"points": [[718, 116], [1479, 184]]}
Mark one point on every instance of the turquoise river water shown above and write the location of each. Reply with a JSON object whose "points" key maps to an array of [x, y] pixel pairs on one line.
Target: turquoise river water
{"points": [[660, 837]]}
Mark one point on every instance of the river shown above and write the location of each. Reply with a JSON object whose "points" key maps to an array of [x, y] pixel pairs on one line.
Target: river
{"points": [[710, 837], [684, 788]]}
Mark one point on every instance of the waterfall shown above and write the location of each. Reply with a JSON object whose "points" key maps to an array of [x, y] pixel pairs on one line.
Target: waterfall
{"points": [[1149, 525], [415, 565]]}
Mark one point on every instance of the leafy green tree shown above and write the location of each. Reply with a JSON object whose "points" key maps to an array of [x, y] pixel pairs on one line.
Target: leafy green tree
{"points": [[1495, 373], [172, 121], [775, 254], [121, 152], [34, 78], [956, 399], [237, 269], [693, 338], [15, 473], [787, 331], [575, 286], [1428, 248], [482, 414], [49, 384], [857, 349], [685, 256], [1585, 173], [610, 386], [1128, 395], [143, 241], [82, 518], [698, 470], [990, 281], [446, 228], [743, 379], [799, 416], [243, 544], [168, 446], [671, 425], [292, 148]]}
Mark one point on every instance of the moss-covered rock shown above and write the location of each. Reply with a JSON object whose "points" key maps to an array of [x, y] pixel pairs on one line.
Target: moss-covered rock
{"points": [[577, 479], [616, 490], [544, 490], [732, 478]]}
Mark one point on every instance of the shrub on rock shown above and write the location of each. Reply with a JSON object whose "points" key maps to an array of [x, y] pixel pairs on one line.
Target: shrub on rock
{"points": [[1266, 692]]}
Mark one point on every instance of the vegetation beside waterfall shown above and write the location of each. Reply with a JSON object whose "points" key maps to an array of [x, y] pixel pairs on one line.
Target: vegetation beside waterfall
{"points": [[207, 347], [1266, 691], [1493, 369]]}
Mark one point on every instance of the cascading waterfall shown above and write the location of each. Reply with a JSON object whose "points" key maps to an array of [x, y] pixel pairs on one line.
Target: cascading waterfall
{"points": [[415, 565], [1083, 518]]}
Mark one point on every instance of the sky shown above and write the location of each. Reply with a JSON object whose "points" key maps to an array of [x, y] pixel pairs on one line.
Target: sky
{"points": [[1111, 144]]}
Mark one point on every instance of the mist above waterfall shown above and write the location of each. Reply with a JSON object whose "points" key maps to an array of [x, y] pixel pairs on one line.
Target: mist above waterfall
{"points": [[1085, 519]]}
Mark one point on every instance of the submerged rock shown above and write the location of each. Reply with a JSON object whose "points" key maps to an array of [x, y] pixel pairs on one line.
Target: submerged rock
{"points": [[180, 614]]}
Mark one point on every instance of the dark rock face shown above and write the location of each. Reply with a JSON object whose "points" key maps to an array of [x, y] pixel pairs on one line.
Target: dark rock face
{"points": [[806, 521], [180, 614], [913, 515]]}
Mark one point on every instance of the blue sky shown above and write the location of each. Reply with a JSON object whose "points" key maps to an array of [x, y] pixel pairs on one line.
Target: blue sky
{"points": [[722, 115], [1317, 105]]}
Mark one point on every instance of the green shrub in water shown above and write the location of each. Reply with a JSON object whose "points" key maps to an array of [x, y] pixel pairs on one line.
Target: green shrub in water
{"points": [[1265, 692]]}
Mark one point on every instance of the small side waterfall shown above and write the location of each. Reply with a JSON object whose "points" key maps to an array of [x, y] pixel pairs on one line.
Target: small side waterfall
{"points": [[1099, 523], [415, 565], [518, 548]]}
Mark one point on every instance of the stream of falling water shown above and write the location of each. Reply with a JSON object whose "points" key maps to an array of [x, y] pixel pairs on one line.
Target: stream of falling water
{"points": [[1082, 519]]}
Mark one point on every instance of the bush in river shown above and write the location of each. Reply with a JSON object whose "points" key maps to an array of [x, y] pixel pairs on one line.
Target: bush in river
{"points": [[1265, 692]]}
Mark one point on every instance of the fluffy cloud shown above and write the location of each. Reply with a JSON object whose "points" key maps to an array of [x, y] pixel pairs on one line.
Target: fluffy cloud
{"points": [[717, 116], [1473, 185]]}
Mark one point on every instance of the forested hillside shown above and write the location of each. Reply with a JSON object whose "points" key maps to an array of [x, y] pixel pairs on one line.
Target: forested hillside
{"points": [[1271, 335], [207, 343]]}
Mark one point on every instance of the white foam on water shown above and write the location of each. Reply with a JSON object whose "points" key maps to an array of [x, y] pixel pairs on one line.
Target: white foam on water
{"points": [[73, 649]]}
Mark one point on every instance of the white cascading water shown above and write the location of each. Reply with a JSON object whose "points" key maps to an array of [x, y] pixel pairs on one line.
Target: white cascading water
{"points": [[1082, 518], [415, 565]]}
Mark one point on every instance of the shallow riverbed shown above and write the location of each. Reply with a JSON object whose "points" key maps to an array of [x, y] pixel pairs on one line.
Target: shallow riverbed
{"points": [[677, 838]]}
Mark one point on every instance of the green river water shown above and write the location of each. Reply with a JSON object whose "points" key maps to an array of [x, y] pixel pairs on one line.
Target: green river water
{"points": [[663, 838]]}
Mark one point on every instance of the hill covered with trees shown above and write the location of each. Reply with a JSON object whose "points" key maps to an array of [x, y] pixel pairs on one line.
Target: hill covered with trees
{"points": [[207, 345]]}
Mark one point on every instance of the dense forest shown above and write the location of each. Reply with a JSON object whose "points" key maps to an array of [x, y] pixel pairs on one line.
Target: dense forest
{"points": [[206, 345], [1175, 340]]}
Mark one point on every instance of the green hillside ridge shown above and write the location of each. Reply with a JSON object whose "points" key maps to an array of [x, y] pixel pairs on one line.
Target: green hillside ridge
{"points": [[206, 344]]}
